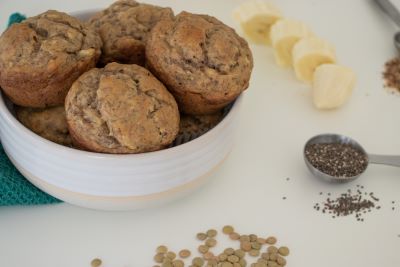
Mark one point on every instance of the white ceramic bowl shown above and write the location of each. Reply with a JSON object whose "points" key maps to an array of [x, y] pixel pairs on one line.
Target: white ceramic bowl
{"points": [[115, 182]]}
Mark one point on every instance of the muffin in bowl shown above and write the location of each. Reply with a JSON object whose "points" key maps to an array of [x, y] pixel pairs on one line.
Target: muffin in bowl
{"points": [[202, 61], [124, 27], [42, 56]]}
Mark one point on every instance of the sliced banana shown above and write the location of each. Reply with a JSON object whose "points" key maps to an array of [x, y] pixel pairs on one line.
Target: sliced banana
{"points": [[284, 35], [332, 85], [256, 18], [308, 54]]}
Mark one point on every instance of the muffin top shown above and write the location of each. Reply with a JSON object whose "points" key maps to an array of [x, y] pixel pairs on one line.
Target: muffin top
{"points": [[124, 27], [198, 54], [50, 123], [121, 109], [46, 45]]}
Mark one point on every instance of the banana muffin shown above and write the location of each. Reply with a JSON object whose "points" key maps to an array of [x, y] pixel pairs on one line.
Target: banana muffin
{"points": [[42, 56], [124, 27], [203, 62], [196, 125], [49, 123], [121, 109]]}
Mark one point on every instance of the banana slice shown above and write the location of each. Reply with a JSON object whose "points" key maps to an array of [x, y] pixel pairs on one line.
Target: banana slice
{"points": [[308, 54], [332, 85], [256, 18], [284, 35]]}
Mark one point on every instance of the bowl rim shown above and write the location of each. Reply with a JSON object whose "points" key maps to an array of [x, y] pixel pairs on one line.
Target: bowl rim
{"points": [[73, 152]]}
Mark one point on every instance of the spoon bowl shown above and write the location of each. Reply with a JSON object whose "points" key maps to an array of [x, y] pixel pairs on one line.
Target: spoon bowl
{"points": [[332, 139]]}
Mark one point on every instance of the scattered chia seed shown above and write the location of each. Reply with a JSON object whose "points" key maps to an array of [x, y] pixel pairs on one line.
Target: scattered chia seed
{"points": [[338, 160], [348, 203]]}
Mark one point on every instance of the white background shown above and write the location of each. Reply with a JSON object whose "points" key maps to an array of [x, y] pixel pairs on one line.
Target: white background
{"points": [[277, 118]]}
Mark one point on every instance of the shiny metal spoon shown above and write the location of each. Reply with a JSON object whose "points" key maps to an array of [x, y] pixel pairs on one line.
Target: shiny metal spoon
{"points": [[341, 139], [394, 14]]}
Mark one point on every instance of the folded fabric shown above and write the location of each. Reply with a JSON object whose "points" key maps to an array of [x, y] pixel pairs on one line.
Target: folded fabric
{"points": [[15, 189]]}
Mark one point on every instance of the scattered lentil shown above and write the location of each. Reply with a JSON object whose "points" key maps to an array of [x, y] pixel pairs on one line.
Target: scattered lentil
{"points": [[203, 249], [211, 242], [227, 229], [234, 236], [336, 159], [184, 253], [249, 244], [159, 257], [162, 249], [211, 233], [96, 262], [271, 240], [284, 251], [201, 236]]}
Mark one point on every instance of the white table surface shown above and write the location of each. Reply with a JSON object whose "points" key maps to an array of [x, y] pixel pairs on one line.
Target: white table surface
{"points": [[247, 190]]}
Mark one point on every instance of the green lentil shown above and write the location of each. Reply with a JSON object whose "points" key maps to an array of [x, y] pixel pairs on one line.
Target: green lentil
{"points": [[229, 251], [240, 253], [211, 242], [211, 233], [203, 249], [284, 251], [233, 258], [170, 255], [227, 229], [254, 252], [197, 261], [201, 236], [162, 249], [96, 262], [184, 253], [159, 257]]}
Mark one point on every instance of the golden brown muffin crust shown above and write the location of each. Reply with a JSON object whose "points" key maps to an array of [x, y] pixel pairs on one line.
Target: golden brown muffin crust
{"points": [[121, 109], [124, 27], [49, 123], [41, 57], [203, 62]]}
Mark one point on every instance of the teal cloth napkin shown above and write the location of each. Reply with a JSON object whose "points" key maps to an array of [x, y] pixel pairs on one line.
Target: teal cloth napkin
{"points": [[14, 188]]}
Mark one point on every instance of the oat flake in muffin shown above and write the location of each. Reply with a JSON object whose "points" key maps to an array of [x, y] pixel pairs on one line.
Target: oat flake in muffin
{"points": [[41, 57]]}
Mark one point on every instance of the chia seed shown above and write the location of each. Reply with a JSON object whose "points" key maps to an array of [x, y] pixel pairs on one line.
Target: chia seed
{"points": [[338, 160], [348, 203]]}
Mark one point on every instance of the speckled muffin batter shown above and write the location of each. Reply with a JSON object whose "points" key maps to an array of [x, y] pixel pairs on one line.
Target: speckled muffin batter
{"points": [[49, 123], [203, 62], [124, 27], [121, 109], [41, 57]]}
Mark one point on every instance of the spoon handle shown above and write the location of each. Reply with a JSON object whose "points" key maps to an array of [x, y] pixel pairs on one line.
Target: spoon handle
{"points": [[390, 10], [386, 160]]}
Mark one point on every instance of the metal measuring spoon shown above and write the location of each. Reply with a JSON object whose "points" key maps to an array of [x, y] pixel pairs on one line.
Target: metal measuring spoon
{"points": [[341, 139], [394, 14]]}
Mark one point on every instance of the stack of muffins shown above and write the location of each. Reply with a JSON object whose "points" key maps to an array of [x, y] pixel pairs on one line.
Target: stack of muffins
{"points": [[132, 79]]}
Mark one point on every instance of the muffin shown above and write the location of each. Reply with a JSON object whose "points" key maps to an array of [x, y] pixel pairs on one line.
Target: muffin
{"points": [[121, 109], [41, 57], [203, 62], [193, 126], [124, 27], [49, 123]]}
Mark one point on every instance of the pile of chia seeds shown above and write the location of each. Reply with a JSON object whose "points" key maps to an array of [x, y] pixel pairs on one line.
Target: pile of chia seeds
{"points": [[356, 203]]}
